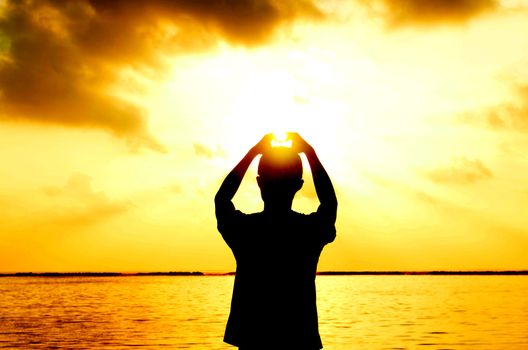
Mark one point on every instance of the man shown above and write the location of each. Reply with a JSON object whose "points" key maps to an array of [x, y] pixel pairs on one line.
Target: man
{"points": [[277, 250]]}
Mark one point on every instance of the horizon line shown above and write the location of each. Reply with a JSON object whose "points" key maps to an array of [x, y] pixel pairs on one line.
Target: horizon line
{"points": [[232, 273]]}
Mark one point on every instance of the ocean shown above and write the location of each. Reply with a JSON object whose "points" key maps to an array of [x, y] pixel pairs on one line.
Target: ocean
{"points": [[189, 312]]}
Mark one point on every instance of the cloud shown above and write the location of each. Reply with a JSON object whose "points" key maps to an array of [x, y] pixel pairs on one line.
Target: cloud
{"points": [[506, 116], [400, 13], [401, 188], [462, 171], [208, 152], [77, 203], [59, 60], [175, 188]]}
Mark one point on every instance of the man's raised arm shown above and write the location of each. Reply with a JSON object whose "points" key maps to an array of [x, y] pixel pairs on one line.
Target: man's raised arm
{"points": [[233, 180], [323, 184]]}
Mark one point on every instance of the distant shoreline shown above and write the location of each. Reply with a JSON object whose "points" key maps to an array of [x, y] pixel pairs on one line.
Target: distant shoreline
{"points": [[322, 273]]}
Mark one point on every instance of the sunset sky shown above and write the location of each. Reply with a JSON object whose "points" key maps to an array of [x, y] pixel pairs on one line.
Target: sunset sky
{"points": [[120, 119]]}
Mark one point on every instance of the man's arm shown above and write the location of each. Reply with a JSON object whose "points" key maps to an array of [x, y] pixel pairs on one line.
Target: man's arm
{"points": [[323, 184], [233, 180]]}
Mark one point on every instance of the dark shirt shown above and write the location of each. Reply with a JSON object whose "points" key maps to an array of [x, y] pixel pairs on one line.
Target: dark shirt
{"points": [[274, 302]]}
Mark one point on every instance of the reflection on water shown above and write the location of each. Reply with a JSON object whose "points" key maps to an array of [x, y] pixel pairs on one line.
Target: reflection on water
{"points": [[437, 312], [355, 312]]}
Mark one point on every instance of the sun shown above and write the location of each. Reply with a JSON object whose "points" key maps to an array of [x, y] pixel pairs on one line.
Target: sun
{"points": [[281, 139], [274, 101], [250, 94], [280, 136]]}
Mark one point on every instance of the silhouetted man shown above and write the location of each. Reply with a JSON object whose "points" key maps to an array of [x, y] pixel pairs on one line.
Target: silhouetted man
{"points": [[277, 250]]}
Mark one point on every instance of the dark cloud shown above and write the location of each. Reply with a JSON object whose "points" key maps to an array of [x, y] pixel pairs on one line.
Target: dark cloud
{"points": [[60, 59], [399, 13], [462, 171]]}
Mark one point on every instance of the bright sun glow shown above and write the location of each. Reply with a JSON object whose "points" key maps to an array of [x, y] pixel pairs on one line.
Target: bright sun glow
{"points": [[280, 136], [280, 139]]}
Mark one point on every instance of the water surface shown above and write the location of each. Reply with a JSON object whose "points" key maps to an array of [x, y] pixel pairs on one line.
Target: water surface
{"points": [[178, 312]]}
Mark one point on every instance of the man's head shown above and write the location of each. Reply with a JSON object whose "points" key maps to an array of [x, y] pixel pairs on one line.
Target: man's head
{"points": [[280, 175]]}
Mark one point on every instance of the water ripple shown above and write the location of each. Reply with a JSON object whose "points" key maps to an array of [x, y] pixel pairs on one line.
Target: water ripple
{"points": [[355, 312]]}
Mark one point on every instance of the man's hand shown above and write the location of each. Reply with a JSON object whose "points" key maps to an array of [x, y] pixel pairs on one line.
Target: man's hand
{"points": [[263, 145], [299, 145]]}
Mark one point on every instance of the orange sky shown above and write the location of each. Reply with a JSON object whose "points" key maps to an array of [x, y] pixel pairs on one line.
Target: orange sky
{"points": [[119, 120]]}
